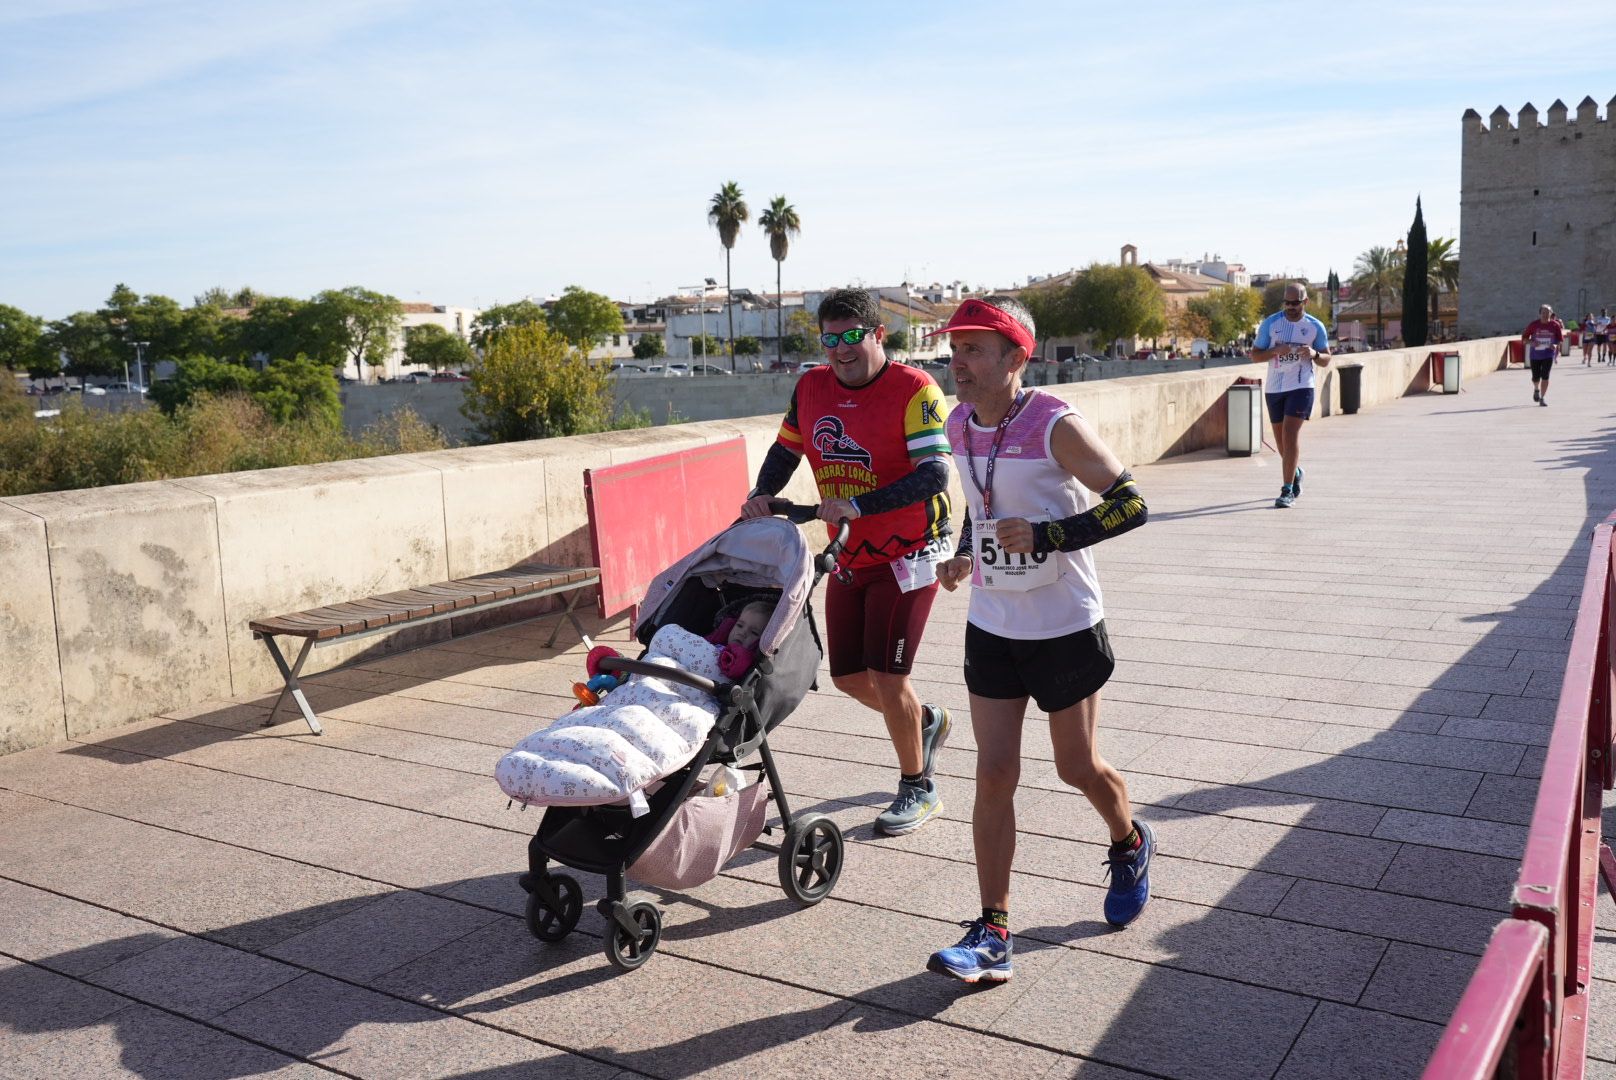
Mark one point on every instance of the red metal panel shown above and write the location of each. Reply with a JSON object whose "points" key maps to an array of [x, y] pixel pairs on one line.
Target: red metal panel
{"points": [[1507, 984], [645, 515]]}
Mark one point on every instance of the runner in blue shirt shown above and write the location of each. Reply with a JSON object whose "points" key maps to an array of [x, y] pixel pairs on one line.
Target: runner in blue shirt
{"points": [[1290, 342]]}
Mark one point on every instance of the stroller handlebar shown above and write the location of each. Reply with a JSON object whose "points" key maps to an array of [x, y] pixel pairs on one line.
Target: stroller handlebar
{"points": [[661, 671], [801, 515]]}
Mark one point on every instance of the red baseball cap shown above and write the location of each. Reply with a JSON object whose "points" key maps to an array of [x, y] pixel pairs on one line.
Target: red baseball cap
{"points": [[975, 315]]}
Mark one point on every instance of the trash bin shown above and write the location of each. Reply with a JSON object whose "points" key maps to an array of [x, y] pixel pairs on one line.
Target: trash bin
{"points": [[1351, 376], [1245, 419]]}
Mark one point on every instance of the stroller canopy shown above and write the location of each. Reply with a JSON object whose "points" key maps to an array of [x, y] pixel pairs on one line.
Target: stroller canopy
{"points": [[764, 553]]}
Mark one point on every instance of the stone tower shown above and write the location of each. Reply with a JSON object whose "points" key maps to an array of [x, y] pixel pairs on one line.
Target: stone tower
{"points": [[1537, 216]]}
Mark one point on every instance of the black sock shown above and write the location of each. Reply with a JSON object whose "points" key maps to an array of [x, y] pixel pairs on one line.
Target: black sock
{"points": [[1128, 843], [994, 919], [918, 779]]}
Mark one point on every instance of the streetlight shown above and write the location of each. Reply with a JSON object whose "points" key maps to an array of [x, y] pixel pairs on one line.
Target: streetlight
{"points": [[140, 371], [711, 284]]}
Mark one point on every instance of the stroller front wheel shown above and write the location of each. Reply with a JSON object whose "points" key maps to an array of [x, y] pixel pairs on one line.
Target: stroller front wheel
{"points": [[554, 904], [811, 859], [629, 950]]}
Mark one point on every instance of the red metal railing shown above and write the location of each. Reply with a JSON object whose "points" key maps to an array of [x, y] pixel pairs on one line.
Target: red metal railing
{"points": [[1525, 1012]]}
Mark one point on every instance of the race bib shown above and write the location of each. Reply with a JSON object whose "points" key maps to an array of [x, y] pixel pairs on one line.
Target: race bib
{"points": [[918, 569], [996, 568]]}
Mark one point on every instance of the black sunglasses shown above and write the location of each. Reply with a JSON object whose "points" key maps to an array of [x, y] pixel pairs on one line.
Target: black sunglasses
{"points": [[846, 337], [1295, 303]]}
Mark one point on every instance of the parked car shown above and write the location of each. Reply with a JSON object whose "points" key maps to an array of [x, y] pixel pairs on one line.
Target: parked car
{"points": [[126, 388], [632, 369], [93, 391], [708, 369], [449, 376], [678, 369], [809, 365]]}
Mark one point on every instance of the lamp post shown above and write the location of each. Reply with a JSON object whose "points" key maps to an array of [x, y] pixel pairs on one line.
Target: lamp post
{"points": [[710, 283], [140, 370]]}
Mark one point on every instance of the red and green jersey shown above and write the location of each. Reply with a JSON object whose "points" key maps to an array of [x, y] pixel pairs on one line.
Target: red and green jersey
{"points": [[859, 438]]}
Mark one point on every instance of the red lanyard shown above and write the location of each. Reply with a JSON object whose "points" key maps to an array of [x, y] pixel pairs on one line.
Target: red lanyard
{"points": [[985, 486]]}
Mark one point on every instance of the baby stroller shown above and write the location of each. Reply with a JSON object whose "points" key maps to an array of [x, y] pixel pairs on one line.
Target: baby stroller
{"points": [[684, 838]]}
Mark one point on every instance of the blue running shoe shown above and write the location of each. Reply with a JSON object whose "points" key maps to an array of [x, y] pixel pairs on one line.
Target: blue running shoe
{"points": [[1287, 498], [981, 956], [1129, 890], [1296, 483]]}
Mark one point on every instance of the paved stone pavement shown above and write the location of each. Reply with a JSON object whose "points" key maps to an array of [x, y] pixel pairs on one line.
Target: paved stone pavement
{"points": [[1334, 716]]}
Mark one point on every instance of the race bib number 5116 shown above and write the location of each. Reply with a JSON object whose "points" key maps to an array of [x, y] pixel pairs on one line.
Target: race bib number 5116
{"points": [[996, 568]]}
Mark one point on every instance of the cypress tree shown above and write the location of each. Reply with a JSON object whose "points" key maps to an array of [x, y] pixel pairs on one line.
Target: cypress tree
{"points": [[1416, 283]]}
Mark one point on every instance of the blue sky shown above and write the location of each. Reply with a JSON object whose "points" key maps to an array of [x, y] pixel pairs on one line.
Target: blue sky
{"points": [[485, 151]]}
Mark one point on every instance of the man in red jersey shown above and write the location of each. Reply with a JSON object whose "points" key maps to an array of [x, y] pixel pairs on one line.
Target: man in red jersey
{"points": [[1542, 339], [872, 432]]}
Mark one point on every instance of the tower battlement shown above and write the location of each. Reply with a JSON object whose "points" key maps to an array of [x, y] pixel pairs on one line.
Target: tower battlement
{"points": [[1537, 214]]}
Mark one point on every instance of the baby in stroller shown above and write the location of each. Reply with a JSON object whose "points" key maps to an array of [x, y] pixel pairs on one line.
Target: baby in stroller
{"points": [[645, 728]]}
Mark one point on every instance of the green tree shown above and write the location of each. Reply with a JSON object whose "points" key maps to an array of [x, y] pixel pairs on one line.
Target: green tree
{"points": [[281, 327], [779, 223], [1442, 271], [430, 345], [14, 404], [287, 390], [585, 319], [704, 346], [728, 211], [158, 322], [494, 319], [1377, 273], [796, 345], [359, 322], [531, 384], [1229, 312], [207, 330], [897, 340], [649, 346], [20, 335], [218, 297], [1115, 302], [1416, 282], [1052, 313], [86, 343]]}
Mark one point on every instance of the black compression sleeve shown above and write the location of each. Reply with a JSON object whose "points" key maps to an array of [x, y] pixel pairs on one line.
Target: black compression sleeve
{"points": [[966, 544], [1120, 508], [778, 465], [929, 478]]}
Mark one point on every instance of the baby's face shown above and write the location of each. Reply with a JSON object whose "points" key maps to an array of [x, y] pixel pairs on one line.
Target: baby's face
{"points": [[749, 626]]}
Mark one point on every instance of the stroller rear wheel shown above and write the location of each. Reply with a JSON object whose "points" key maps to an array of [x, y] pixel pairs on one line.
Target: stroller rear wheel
{"points": [[811, 859], [553, 906], [629, 950]]}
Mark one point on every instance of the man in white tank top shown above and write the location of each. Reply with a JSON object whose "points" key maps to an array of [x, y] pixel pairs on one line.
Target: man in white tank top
{"points": [[1030, 466]]}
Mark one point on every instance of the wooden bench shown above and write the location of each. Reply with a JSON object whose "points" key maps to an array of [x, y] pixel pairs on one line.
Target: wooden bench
{"points": [[429, 603]]}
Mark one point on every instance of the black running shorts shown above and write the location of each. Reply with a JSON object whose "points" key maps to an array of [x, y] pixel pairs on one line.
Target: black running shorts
{"points": [[1541, 368], [1057, 673]]}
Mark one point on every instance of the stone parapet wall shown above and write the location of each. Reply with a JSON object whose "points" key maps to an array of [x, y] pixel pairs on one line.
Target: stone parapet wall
{"points": [[127, 602]]}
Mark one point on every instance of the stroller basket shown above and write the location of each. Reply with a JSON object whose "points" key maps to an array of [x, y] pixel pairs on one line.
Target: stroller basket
{"points": [[706, 832]]}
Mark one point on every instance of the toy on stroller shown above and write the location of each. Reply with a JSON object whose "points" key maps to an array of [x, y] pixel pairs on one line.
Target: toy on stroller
{"points": [[679, 835]]}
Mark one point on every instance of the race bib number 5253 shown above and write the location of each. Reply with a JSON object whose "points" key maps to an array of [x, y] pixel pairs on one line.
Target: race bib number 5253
{"points": [[996, 568]]}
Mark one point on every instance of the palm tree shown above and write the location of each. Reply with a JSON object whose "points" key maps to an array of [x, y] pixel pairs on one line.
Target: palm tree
{"points": [[1441, 269], [781, 223], [728, 211], [1377, 273]]}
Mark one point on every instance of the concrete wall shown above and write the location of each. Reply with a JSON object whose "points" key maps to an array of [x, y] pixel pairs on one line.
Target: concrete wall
{"points": [[124, 602]]}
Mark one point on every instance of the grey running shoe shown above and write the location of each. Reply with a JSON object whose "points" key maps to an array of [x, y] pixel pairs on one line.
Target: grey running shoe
{"points": [[915, 805], [1296, 483], [1287, 498], [934, 727], [1534, 396]]}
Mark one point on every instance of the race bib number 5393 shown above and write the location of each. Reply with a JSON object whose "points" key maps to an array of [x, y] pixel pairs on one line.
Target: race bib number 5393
{"points": [[996, 568]]}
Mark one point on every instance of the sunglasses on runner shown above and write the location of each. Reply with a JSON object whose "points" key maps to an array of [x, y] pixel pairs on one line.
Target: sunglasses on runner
{"points": [[1295, 303], [846, 337]]}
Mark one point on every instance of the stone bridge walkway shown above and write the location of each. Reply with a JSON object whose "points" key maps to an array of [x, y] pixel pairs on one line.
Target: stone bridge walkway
{"points": [[1334, 716]]}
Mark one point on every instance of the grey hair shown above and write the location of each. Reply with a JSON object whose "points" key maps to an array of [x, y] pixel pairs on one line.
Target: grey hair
{"points": [[1015, 309]]}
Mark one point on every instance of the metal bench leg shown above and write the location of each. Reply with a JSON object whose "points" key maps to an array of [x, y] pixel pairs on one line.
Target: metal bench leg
{"points": [[292, 687], [566, 615]]}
